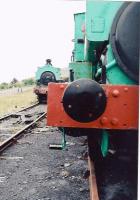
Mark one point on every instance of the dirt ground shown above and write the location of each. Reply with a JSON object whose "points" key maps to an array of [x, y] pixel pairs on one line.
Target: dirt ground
{"points": [[29, 170]]}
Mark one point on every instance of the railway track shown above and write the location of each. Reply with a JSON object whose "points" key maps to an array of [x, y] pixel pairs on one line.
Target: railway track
{"points": [[16, 124], [12, 126], [92, 181], [10, 114], [92, 175]]}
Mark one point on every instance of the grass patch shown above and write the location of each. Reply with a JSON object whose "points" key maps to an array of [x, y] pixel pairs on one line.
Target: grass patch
{"points": [[11, 103]]}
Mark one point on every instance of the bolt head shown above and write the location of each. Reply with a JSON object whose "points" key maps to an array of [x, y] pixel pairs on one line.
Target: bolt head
{"points": [[90, 114], [61, 86], [69, 106], [114, 121], [104, 120], [115, 93], [125, 89], [100, 94]]}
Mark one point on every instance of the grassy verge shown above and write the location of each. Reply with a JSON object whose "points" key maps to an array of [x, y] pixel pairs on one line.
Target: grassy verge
{"points": [[10, 103]]}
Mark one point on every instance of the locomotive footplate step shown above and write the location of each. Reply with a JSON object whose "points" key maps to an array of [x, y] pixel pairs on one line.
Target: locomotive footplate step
{"points": [[63, 142], [56, 146]]}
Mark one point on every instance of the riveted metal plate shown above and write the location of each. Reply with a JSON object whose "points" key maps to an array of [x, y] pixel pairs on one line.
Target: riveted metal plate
{"points": [[121, 111]]}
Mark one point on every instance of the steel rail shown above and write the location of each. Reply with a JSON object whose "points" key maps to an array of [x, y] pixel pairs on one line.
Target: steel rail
{"points": [[92, 181], [92, 176], [18, 134], [9, 115], [28, 107]]}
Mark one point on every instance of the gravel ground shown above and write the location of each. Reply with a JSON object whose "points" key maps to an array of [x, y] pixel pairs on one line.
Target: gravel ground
{"points": [[30, 170]]}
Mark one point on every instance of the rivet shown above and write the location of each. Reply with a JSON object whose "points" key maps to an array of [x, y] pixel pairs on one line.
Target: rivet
{"points": [[100, 94], [125, 89], [103, 120], [69, 106], [61, 86], [114, 121], [115, 93], [77, 86], [90, 115]]}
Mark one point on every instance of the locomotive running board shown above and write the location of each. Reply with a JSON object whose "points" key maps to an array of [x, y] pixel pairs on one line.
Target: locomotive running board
{"points": [[121, 111]]}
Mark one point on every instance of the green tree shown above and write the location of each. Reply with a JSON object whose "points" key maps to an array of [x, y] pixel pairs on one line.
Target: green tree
{"points": [[4, 85], [29, 81]]}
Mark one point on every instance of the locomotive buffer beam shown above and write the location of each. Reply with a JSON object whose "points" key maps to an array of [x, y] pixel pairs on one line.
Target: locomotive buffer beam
{"points": [[105, 107]]}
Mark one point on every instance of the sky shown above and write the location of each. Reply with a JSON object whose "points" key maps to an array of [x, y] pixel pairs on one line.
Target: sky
{"points": [[32, 31]]}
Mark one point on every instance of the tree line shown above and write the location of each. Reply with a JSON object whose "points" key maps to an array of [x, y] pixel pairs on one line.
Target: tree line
{"points": [[16, 83]]}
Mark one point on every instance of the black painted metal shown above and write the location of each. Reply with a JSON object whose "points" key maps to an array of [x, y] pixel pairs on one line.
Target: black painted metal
{"points": [[71, 75], [125, 38], [47, 77], [84, 100]]}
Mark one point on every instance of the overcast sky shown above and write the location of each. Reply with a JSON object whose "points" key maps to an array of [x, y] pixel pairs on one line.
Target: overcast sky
{"points": [[33, 30]]}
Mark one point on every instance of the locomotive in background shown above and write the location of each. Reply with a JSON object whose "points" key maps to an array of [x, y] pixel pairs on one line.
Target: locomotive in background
{"points": [[45, 75], [101, 100]]}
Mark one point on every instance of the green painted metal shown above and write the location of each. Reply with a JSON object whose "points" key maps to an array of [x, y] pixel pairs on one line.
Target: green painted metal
{"points": [[114, 73], [99, 17], [89, 50], [108, 66], [104, 143], [63, 139], [48, 68], [81, 69], [79, 19], [62, 145]]}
